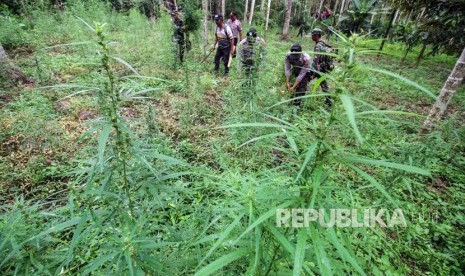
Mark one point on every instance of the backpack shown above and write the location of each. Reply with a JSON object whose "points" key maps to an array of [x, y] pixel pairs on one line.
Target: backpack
{"points": [[326, 62]]}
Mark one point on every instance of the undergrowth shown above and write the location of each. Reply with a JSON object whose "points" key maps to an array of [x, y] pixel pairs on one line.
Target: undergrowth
{"points": [[123, 162]]}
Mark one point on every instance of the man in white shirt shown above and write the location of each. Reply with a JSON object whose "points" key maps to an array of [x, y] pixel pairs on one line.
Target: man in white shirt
{"points": [[225, 41]]}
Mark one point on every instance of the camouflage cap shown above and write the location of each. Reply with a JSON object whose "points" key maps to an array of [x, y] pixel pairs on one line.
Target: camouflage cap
{"points": [[218, 17], [317, 31]]}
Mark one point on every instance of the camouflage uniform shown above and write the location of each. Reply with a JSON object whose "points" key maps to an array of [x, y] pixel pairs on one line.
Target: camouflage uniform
{"points": [[178, 38], [251, 54], [321, 46]]}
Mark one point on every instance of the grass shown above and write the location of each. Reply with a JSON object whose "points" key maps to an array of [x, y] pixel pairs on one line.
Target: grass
{"points": [[216, 215]]}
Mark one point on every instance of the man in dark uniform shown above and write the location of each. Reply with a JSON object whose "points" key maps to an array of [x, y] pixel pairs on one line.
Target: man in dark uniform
{"points": [[298, 63], [225, 41], [178, 36]]}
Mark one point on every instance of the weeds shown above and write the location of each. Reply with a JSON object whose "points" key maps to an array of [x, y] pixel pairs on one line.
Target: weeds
{"points": [[118, 199]]}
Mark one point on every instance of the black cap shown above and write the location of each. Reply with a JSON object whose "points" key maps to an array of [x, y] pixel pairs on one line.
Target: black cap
{"points": [[218, 17], [296, 48]]}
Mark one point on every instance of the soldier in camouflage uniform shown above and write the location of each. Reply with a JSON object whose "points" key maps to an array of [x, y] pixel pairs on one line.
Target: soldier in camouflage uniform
{"points": [[178, 36], [320, 61], [252, 50]]}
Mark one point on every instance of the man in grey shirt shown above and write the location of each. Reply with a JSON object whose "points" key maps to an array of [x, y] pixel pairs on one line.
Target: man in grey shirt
{"points": [[299, 63]]}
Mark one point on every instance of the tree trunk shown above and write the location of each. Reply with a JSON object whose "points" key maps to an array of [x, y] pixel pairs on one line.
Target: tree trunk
{"points": [[246, 9], [320, 7], [387, 31], [455, 79], [287, 20], [262, 5], [223, 8], [395, 17], [252, 8], [341, 11], [347, 5], [267, 16], [205, 26], [9, 71], [335, 8]]}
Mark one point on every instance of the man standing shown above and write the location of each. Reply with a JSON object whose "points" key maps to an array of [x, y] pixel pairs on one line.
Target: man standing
{"points": [[302, 29], [251, 51], [178, 36], [236, 28], [225, 41], [321, 63], [300, 65]]}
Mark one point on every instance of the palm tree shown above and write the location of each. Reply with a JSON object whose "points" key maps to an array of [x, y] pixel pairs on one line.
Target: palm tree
{"points": [[205, 26], [267, 16], [246, 9], [252, 8]]}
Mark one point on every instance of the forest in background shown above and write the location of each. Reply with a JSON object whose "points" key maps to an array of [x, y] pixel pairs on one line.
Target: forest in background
{"points": [[117, 159]]}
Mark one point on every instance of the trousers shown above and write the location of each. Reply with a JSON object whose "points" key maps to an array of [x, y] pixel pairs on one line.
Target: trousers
{"points": [[222, 53]]}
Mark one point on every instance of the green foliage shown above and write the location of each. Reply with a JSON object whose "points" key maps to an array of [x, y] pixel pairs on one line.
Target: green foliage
{"points": [[111, 194], [13, 32], [192, 17], [359, 14], [443, 21]]}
